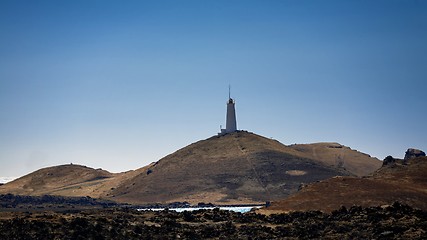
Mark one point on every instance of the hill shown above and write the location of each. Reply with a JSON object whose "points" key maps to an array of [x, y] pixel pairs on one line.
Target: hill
{"points": [[67, 180], [58, 180], [240, 167], [402, 181], [335, 154]]}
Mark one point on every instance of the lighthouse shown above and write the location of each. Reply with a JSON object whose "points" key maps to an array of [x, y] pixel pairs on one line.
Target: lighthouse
{"points": [[231, 123]]}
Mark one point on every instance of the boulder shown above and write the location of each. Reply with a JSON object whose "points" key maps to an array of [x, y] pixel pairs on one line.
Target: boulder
{"points": [[413, 153], [389, 160]]}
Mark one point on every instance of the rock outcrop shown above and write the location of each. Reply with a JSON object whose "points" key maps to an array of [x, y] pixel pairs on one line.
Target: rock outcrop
{"points": [[389, 160], [413, 153]]}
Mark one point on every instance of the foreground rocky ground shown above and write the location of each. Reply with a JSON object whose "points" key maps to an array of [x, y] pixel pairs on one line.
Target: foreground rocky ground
{"points": [[388, 222]]}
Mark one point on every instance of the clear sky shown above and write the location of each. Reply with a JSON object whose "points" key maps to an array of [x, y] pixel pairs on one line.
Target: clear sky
{"points": [[119, 84]]}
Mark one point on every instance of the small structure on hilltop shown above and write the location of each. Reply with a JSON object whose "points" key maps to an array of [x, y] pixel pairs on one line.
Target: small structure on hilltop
{"points": [[231, 123]]}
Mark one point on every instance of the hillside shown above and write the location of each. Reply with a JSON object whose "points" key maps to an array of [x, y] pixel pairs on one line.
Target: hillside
{"points": [[56, 180], [335, 154], [240, 167], [402, 182], [67, 180]]}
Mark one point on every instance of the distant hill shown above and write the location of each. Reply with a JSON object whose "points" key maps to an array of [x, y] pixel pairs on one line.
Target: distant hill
{"points": [[335, 154], [67, 180], [402, 181], [240, 167], [58, 180]]}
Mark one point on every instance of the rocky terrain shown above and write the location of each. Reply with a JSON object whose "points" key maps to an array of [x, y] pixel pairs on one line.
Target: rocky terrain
{"points": [[20, 203], [398, 180], [395, 221], [240, 167]]}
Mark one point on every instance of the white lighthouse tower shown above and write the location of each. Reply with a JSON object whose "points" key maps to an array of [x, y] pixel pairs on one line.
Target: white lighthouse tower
{"points": [[231, 124]]}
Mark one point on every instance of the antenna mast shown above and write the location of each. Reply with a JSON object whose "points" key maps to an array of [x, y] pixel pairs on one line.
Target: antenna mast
{"points": [[229, 91]]}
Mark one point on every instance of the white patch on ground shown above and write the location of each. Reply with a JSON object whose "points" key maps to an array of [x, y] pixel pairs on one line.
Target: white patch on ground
{"points": [[6, 179], [296, 172]]}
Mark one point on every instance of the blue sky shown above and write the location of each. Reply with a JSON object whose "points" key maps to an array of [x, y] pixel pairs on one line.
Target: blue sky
{"points": [[119, 84]]}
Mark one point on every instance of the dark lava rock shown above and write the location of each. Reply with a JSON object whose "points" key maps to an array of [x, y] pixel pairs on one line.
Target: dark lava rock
{"points": [[396, 221], [413, 153], [14, 201], [389, 160]]}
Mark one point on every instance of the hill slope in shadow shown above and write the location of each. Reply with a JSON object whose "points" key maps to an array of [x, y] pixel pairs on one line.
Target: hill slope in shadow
{"points": [[403, 182]]}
